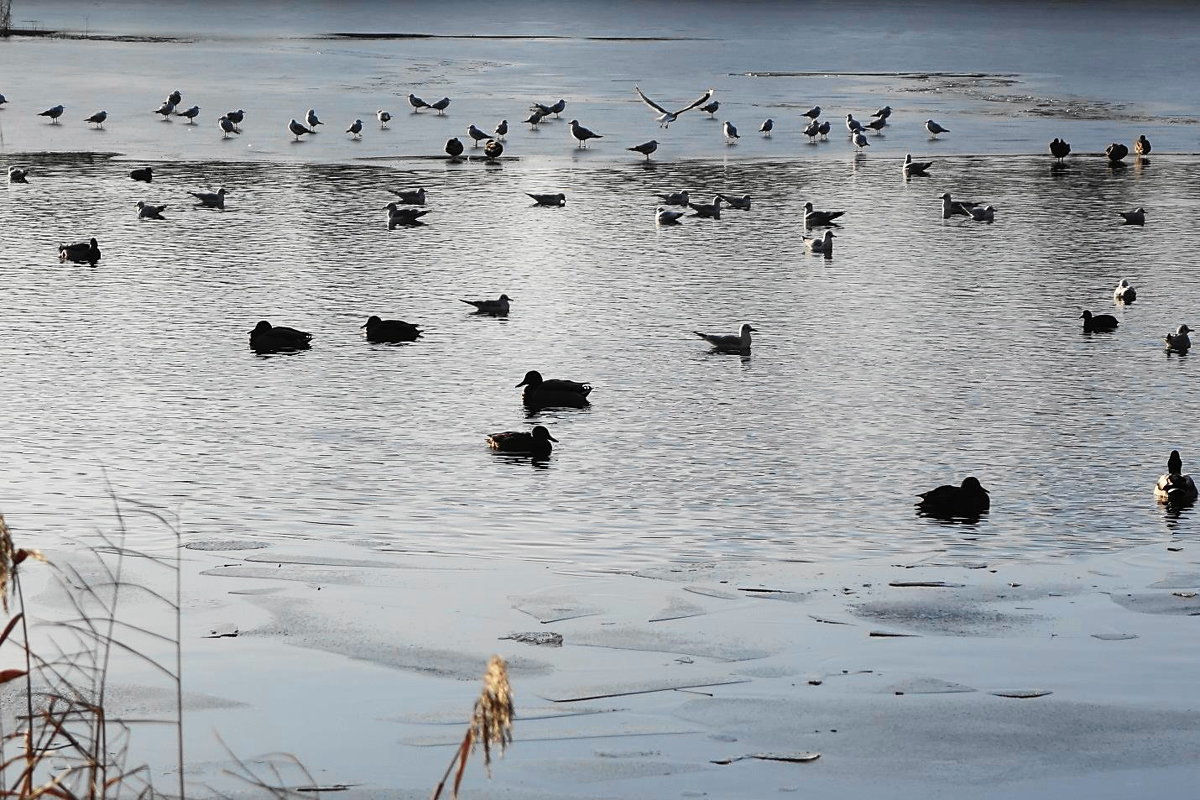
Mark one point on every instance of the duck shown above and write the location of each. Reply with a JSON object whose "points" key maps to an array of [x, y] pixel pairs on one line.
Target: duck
{"points": [[80, 253], [730, 344], [559, 199], [534, 443], [916, 168], [404, 216], [969, 499], [1142, 146], [390, 330], [813, 218], [493, 150], [554, 393], [1115, 152], [1178, 342], [822, 244], [147, 211], [268, 338], [1124, 293], [1098, 322], [17, 175], [454, 148], [1175, 488], [497, 308], [1135, 217], [144, 174], [1060, 149], [210, 199]]}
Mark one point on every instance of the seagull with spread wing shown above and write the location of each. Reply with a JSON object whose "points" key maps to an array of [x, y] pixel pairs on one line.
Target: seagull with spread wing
{"points": [[667, 117]]}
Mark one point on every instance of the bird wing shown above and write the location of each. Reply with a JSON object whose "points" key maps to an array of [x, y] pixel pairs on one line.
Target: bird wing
{"points": [[699, 102], [650, 102]]}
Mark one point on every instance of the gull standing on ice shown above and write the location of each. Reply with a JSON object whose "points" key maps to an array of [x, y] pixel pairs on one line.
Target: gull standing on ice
{"points": [[297, 129], [535, 117], [767, 126], [501, 129], [824, 128], [311, 118], [227, 127], [883, 113], [355, 129], [934, 129], [666, 117], [860, 141], [645, 148], [384, 118], [1124, 293], [53, 113], [812, 130], [711, 108], [189, 114], [853, 125], [166, 110], [440, 106], [666, 216], [877, 125], [175, 97], [729, 344], [812, 113], [477, 135], [98, 118], [236, 117], [582, 134], [731, 134], [416, 103]]}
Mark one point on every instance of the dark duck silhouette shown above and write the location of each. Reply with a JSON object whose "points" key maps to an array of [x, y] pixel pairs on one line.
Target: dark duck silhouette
{"points": [[554, 393]]}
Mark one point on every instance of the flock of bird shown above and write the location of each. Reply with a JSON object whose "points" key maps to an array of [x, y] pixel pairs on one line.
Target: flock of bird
{"points": [[968, 500]]}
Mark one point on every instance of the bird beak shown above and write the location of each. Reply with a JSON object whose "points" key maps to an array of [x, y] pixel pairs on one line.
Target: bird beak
{"points": [[519, 385], [362, 326]]}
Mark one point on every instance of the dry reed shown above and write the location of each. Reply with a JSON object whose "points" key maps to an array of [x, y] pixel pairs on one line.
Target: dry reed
{"points": [[491, 724]]}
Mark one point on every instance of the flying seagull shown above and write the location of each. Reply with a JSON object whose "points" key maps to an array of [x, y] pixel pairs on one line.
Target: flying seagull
{"points": [[666, 117]]}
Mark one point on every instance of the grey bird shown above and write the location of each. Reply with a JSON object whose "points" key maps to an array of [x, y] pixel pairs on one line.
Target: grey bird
{"points": [[355, 129], [416, 103], [666, 216], [739, 343], [860, 141], [502, 129], [210, 199], [440, 106], [477, 135], [1124, 293], [398, 216], [558, 107], [934, 128], [812, 113], [166, 110], [268, 338], [559, 199], [711, 108], [731, 133], [227, 127], [707, 210], [812, 130], [98, 118], [236, 117], [666, 117], [952, 207], [740, 203], [823, 244], [915, 168], [384, 118], [189, 114], [824, 128], [53, 113], [1178, 341], [390, 330], [147, 211], [297, 129], [853, 125], [815, 218], [767, 126], [311, 118], [582, 134], [175, 97], [553, 393], [496, 308], [877, 125], [645, 148], [17, 175], [534, 119], [454, 148], [675, 198], [413, 197]]}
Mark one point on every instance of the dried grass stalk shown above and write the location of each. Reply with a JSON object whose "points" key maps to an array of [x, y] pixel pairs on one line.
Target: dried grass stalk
{"points": [[491, 724]]}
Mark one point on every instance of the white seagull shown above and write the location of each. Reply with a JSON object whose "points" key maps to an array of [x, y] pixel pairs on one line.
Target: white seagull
{"points": [[912, 168], [384, 117], [812, 113], [210, 199], [860, 140], [416, 102], [440, 106], [1124, 293], [729, 344], [147, 211], [666, 117], [166, 109], [675, 198], [853, 125], [477, 135], [767, 126], [730, 132], [952, 207], [883, 113], [823, 245], [666, 216], [708, 210], [53, 113]]}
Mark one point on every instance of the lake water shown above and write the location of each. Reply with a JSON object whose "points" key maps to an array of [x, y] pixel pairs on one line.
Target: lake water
{"points": [[923, 351]]}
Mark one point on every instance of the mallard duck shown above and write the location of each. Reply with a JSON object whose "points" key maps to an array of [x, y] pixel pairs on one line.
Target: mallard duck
{"points": [[497, 308], [554, 393], [1060, 149], [1178, 341], [1124, 293], [1115, 152], [729, 344], [535, 442], [1175, 488], [1098, 322], [969, 499], [454, 148], [80, 253], [1142, 146], [390, 330], [268, 338], [145, 174], [814, 218], [493, 150]]}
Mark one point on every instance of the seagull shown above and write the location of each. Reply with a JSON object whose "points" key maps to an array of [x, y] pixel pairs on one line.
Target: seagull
{"points": [[190, 114], [1179, 341], [145, 174], [210, 200], [823, 245], [175, 98], [813, 218], [1124, 293], [877, 125], [404, 216], [767, 126], [384, 117], [666, 216], [355, 129], [740, 203], [454, 148], [853, 125], [310, 117], [53, 114], [812, 113], [268, 338], [390, 330], [883, 113], [236, 117], [147, 211], [730, 132], [413, 197], [440, 106], [825, 127], [417, 103], [166, 110], [711, 108], [477, 135], [297, 129], [918, 168], [541, 108], [82, 253], [934, 129], [98, 118], [534, 443], [860, 140], [492, 150], [559, 199], [729, 344], [496, 308], [645, 148], [1060, 149], [951, 208], [1098, 322], [982, 213], [1142, 146], [17, 175], [558, 107], [812, 130], [675, 198], [582, 134], [501, 129], [666, 117], [535, 117], [1135, 217], [3, 99], [227, 127], [707, 210]]}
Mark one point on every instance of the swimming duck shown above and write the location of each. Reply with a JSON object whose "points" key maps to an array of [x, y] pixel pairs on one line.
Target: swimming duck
{"points": [[497, 308], [17, 175], [729, 344], [390, 330], [1098, 322], [80, 253], [268, 338], [1124, 293], [145, 174], [535, 443], [1135, 217], [553, 393], [559, 199], [813, 218], [1175, 488], [967, 500], [1178, 341], [1060, 149]]}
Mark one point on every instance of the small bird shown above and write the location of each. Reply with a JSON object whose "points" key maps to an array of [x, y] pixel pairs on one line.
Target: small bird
{"points": [[645, 148], [1124, 293], [740, 203], [384, 118], [967, 500], [3, 99], [883, 113], [147, 211], [711, 108], [582, 134], [355, 129], [665, 216], [390, 330], [492, 150], [853, 125], [812, 113], [812, 130], [824, 128], [1116, 152], [934, 129], [982, 213], [1174, 488], [534, 443], [502, 129], [877, 125], [236, 117], [81, 253], [535, 118], [814, 218], [665, 117], [1142, 146], [707, 210], [454, 148], [1178, 342], [559, 199], [413, 197], [227, 127], [440, 106], [952, 208], [766, 128], [144, 174], [268, 338], [477, 135], [553, 393], [1098, 323], [1060, 149], [416, 103], [166, 110], [98, 118], [210, 199], [496, 308], [822, 245], [558, 107], [310, 117], [398, 216], [916, 168], [1135, 217], [860, 140], [17, 175], [675, 198], [189, 114], [53, 113], [739, 343], [297, 129], [175, 98], [731, 133]]}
